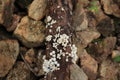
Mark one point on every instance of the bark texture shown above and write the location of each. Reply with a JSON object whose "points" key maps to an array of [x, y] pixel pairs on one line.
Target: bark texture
{"points": [[59, 23]]}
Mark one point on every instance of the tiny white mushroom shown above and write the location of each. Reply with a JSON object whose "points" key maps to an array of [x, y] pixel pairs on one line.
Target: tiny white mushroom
{"points": [[62, 9], [49, 18], [48, 38]]}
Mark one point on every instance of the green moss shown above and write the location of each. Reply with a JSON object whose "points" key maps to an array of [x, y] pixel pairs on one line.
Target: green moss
{"points": [[93, 6], [117, 59]]}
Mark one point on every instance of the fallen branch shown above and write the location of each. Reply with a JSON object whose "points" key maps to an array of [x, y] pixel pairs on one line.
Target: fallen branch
{"points": [[60, 50]]}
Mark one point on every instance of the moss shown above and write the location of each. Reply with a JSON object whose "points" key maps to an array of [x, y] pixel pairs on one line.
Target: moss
{"points": [[117, 59], [93, 6]]}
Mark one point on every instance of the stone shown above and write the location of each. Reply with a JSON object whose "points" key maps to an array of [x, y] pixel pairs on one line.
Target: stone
{"points": [[106, 27], [87, 36], [80, 18], [108, 70], [34, 61], [37, 9], [20, 72], [89, 65], [15, 21], [101, 49], [115, 53], [30, 32], [111, 8], [76, 73], [84, 3], [84, 38], [9, 50], [109, 44], [6, 11], [96, 9]]}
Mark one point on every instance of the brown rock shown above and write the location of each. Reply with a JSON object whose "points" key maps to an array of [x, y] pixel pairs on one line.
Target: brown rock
{"points": [[9, 50], [6, 12], [109, 44], [34, 61], [89, 65], [80, 18], [108, 70], [96, 9], [37, 9], [111, 8], [102, 49], [76, 73], [15, 21], [84, 3], [84, 38], [30, 32], [87, 36], [20, 72], [106, 27], [115, 53]]}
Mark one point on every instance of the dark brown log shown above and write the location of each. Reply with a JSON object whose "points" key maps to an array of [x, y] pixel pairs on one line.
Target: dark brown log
{"points": [[60, 50]]}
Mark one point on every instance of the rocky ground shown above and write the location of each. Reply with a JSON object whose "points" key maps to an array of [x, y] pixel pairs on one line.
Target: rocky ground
{"points": [[97, 37]]}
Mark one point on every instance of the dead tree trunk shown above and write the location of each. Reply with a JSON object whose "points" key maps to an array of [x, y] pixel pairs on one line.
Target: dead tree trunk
{"points": [[60, 50]]}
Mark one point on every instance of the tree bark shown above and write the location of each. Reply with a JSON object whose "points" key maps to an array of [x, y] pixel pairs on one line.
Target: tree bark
{"points": [[58, 20]]}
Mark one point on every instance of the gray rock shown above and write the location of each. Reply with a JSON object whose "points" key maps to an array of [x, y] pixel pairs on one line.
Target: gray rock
{"points": [[76, 73], [30, 32], [20, 72], [37, 9], [9, 50]]}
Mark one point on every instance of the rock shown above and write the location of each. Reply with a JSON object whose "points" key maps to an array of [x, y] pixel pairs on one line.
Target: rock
{"points": [[115, 53], [87, 36], [15, 21], [37, 9], [76, 73], [111, 8], [102, 49], [80, 18], [89, 65], [20, 72], [84, 3], [84, 38], [106, 27], [30, 32], [96, 9], [6, 12], [34, 61], [9, 50], [7, 19], [108, 70], [109, 44]]}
